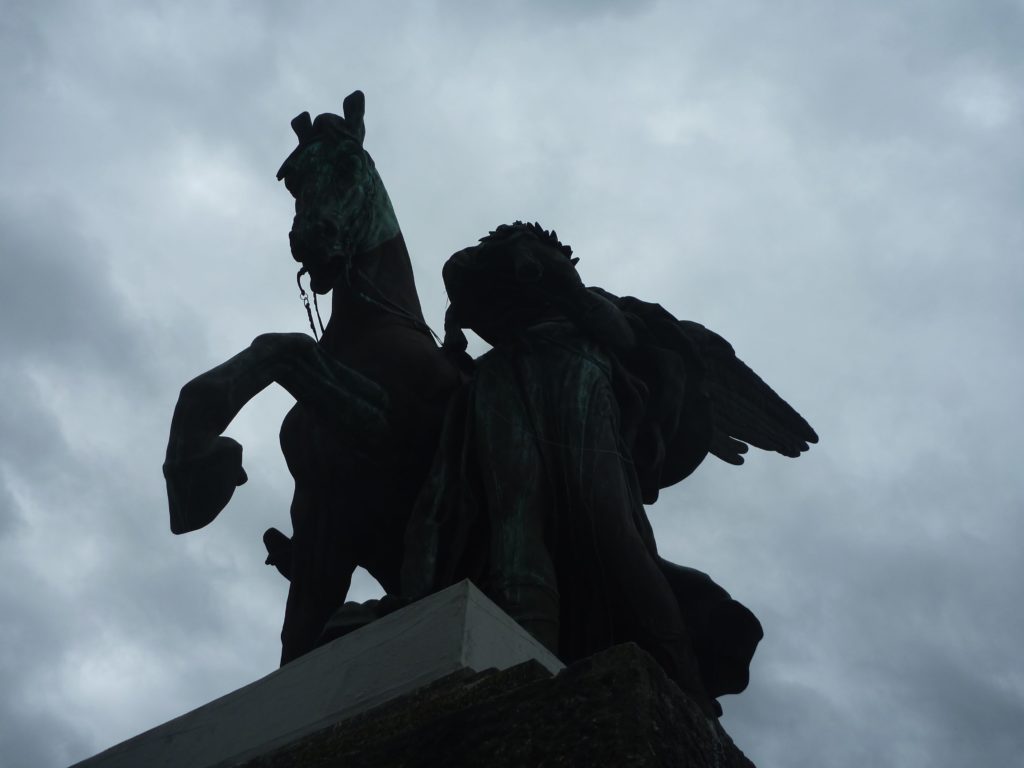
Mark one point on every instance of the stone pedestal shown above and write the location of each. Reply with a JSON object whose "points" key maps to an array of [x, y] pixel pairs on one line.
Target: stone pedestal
{"points": [[448, 681], [615, 709], [455, 630]]}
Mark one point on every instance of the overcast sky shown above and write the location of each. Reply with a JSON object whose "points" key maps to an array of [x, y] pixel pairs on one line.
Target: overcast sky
{"points": [[836, 187]]}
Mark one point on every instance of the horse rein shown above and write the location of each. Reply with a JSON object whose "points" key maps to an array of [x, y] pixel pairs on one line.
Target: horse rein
{"points": [[305, 303]]}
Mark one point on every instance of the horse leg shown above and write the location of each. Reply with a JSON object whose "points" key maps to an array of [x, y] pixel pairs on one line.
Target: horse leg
{"points": [[321, 572], [381, 552], [202, 468], [323, 546]]}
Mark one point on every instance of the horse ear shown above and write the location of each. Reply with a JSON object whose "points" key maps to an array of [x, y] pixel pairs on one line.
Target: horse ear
{"points": [[302, 126], [354, 107]]}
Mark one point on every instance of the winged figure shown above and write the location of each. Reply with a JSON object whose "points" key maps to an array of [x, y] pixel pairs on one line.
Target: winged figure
{"points": [[587, 405]]}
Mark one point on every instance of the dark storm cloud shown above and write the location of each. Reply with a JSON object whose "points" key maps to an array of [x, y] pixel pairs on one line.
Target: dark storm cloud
{"points": [[97, 606], [81, 529], [834, 187], [64, 325], [56, 301], [539, 12], [881, 593], [59, 313], [33, 446]]}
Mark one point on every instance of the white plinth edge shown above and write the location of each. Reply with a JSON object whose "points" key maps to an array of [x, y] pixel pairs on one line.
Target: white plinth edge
{"points": [[457, 628]]}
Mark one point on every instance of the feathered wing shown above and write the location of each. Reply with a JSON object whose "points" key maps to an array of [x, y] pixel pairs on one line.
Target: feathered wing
{"points": [[743, 408]]}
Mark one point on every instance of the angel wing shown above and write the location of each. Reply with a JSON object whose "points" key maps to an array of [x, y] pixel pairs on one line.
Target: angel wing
{"points": [[744, 409]]}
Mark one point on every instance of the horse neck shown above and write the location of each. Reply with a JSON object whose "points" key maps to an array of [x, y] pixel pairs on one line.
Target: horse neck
{"points": [[382, 294]]}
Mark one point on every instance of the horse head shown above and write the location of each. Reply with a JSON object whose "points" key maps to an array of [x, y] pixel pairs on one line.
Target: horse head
{"points": [[341, 206]]}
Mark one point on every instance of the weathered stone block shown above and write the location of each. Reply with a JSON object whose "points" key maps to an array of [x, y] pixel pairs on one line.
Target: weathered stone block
{"points": [[617, 708]]}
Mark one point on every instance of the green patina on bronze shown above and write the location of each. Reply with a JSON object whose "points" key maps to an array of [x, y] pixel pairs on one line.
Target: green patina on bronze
{"points": [[526, 471], [344, 183], [371, 392], [341, 206], [586, 407]]}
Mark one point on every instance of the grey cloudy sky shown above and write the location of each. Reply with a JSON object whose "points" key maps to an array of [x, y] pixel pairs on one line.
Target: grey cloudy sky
{"points": [[836, 187]]}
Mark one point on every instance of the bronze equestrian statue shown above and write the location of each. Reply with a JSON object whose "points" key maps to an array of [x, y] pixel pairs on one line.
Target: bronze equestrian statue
{"points": [[526, 470], [371, 393]]}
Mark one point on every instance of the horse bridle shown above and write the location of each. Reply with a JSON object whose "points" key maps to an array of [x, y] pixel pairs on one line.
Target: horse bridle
{"points": [[348, 251]]}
